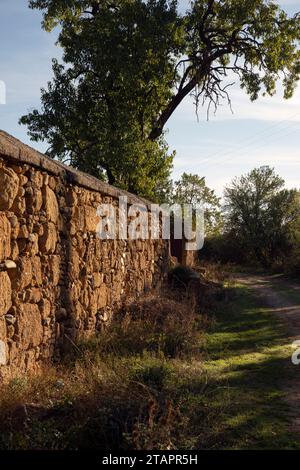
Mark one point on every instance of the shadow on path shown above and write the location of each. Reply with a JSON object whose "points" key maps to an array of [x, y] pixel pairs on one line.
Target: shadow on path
{"points": [[283, 300]]}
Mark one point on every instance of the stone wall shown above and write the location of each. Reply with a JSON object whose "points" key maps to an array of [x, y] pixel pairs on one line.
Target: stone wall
{"points": [[58, 280]]}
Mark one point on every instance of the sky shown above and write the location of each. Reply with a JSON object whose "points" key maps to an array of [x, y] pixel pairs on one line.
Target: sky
{"points": [[266, 132]]}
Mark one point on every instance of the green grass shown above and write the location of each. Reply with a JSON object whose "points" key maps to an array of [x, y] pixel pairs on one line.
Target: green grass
{"points": [[162, 382], [249, 358]]}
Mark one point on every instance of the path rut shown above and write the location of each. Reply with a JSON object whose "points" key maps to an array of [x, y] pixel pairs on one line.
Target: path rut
{"points": [[269, 292]]}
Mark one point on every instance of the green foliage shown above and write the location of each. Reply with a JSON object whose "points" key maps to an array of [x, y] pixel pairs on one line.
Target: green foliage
{"points": [[153, 324], [192, 189], [154, 376], [181, 275], [262, 217], [115, 398], [114, 391], [128, 64], [225, 248], [250, 360], [96, 110]]}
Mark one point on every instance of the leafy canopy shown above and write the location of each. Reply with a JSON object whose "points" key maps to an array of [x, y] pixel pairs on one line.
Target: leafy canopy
{"points": [[192, 189], [261, 215], [128, 64]]}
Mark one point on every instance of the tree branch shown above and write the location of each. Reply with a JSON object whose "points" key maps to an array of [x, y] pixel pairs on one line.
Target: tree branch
{"points": [[169, 110]]}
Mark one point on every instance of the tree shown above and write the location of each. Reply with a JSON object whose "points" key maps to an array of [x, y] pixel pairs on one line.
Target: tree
{"points": [[128, 64], [261, 215], [192, 189]]}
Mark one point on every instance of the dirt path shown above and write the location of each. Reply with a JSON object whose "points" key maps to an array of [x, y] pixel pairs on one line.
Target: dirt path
{"points": [[273, 292]]}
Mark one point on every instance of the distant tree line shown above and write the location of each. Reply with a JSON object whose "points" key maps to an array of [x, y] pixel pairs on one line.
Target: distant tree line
{"points": [[259, 224]]}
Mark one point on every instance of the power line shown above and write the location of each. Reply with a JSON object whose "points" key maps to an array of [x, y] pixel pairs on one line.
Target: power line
{"points": [[257, 146], [248, 142]]}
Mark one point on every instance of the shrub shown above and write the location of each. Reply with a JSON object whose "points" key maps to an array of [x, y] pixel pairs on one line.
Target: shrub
{"points": [[181, 276], [154, 323], [119, 390]]}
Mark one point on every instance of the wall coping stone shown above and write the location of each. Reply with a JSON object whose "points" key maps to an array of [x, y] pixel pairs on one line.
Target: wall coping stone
{"points": [[15, 150]]}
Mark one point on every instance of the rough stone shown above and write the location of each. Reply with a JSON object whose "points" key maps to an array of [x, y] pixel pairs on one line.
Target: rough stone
{"points": [[48, 240], [33, 295], [30, 326], [102, 297], [91, 219], [9, 184], [45, 308], [3, 328], [23, 232], [14, 250], [19, 206], [5, 235], [66, 282], [2, 353], [97, 279], [51, 205], [34, 200], [5, 293], [23, 275], [14, 224], [54, 269], [37, 271]]}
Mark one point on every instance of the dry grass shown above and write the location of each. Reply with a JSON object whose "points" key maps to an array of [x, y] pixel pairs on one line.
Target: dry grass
{"points": [[115, 391], [156, 379]]}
